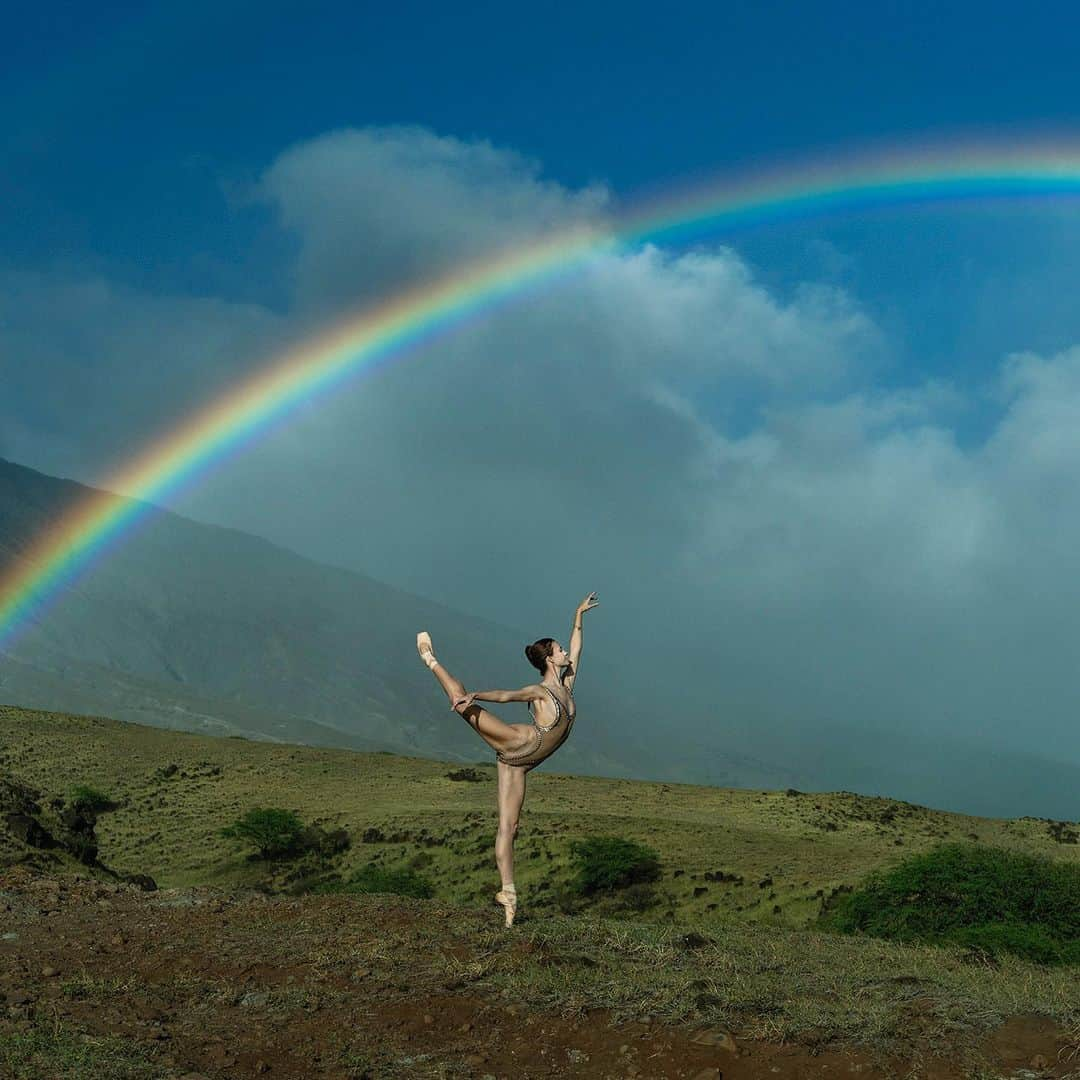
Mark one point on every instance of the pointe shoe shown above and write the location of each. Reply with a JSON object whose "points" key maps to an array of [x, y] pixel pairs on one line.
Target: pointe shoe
{"points": [[509, 903], [424, 648]]}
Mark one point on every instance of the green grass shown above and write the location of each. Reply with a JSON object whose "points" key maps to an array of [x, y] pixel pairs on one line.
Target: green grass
{"points": [[59, 1051], [758, 856], [373, 879], [988, 898]]}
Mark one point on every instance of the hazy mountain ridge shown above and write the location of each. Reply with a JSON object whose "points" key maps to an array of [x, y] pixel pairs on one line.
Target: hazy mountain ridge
{"points": [[192, 617], [203, 628]]}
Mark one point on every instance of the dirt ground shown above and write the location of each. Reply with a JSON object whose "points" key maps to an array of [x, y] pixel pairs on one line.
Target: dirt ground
{"points": [[213, 984]]}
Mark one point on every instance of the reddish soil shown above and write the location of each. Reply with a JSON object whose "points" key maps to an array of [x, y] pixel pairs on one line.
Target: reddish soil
{"points": [[191, 975]]}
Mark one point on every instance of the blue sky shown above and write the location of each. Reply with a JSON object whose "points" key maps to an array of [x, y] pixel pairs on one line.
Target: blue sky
{"points": [[122, 122], [862, 424], [131, 132]]}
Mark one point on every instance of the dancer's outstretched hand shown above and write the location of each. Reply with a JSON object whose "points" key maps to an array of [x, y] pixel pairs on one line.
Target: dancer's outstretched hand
{"points": [[588, 603], [463, 703]]}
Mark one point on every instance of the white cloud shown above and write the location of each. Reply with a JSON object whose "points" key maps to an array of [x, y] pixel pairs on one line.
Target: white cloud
{"points": [[376, 208], [764, 511]]}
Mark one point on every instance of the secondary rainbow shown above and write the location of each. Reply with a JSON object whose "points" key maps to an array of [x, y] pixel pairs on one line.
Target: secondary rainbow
{"points": [[89, 529]]}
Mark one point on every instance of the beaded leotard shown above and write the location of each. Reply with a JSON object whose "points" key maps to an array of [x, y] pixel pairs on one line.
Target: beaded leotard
{"points": [[546, 739]]}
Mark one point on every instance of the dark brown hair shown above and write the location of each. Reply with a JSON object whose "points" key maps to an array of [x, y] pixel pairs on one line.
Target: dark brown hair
{"points": [[538, 652]]}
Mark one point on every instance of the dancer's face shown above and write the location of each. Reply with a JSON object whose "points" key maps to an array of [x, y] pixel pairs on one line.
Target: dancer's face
{"points": [[559, 656]]}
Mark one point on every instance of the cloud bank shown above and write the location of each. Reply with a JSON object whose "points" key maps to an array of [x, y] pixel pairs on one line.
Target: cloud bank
{"points": [[777, 522]]}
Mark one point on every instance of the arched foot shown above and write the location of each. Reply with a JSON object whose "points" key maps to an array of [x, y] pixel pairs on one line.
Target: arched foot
{"points": [[424, 648], [508, 900]]}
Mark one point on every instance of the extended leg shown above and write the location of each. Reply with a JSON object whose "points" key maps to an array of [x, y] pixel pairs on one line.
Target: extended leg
{"points": [[487, 725], [511, 796]]}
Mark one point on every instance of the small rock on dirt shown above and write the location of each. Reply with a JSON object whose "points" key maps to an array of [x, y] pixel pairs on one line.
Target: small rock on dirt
{"points": [[714, 1037]]}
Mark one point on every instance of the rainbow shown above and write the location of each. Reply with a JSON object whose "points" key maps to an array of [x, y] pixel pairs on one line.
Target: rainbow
{"points": [[89, 529]]}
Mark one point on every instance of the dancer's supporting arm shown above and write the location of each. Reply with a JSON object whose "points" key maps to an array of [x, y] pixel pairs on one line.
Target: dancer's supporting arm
{"points": [[587, 604], [526, 693]]}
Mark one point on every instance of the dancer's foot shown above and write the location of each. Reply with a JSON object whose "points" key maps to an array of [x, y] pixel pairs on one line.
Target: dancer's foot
{"points": [[423, 647], [507, 896]]}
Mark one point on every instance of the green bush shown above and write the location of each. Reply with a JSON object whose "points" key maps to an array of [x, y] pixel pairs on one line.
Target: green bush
{"points": [[373, 879], [996, 900], [605, 863], [91, 798], [274, 832]]}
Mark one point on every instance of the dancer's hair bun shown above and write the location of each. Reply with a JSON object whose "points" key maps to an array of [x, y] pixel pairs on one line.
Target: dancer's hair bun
{"points": [[538, 652]]}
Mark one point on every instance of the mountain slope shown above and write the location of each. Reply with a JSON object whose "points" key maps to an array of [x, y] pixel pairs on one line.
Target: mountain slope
{"points": [[201, 628]]}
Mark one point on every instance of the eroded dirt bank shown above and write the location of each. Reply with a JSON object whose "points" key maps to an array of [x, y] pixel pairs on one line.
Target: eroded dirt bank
{"points": [[206, 983]]}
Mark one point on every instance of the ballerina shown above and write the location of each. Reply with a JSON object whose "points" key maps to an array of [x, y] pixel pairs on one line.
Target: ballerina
{"points": [[519, 748]]}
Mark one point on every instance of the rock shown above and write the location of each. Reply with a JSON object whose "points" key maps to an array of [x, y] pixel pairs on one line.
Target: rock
{"points": [[715, 1037], [261, 1066], [254, 999], [29, 830], [15, 795], [693, 941], [144, 881], [708, 1073], [49, 972]]}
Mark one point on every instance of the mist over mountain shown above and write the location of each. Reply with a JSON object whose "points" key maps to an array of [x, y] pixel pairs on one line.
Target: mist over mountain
{"points": [[202, 628]]}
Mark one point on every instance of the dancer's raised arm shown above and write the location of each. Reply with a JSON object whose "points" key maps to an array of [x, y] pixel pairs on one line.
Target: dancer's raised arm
{"points": [[587, 604]]}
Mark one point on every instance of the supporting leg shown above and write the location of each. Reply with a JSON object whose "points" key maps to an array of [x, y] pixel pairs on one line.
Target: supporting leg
{"points": [[511, 797]]}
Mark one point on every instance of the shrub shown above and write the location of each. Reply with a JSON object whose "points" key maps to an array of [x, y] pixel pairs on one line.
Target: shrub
{"points": [[472, 775], [90, 798], [989, 898], [272, 831], [374, 879], [605, 863]]}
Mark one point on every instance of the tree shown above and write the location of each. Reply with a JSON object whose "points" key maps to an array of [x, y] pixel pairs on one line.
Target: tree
{"points": [[273, 831]]}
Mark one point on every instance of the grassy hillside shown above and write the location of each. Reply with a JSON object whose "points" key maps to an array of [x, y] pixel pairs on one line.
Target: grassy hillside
{"points": [[210, 975], [763, 856]]}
